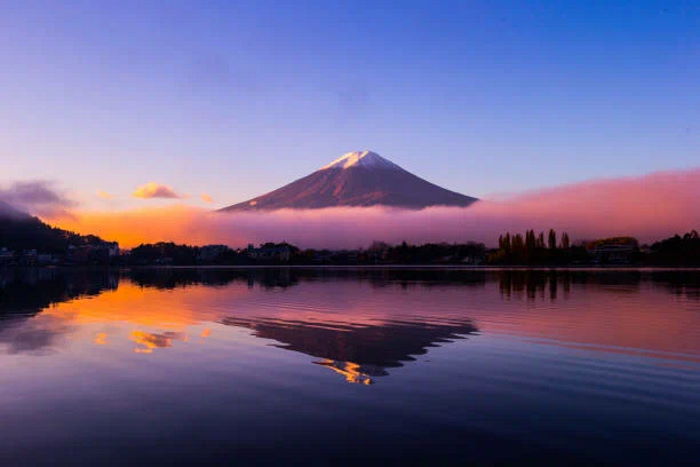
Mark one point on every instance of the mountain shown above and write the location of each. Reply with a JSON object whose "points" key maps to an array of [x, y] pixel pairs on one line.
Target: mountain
{"points": [[20, 231], [7, 211], [361, 178]]}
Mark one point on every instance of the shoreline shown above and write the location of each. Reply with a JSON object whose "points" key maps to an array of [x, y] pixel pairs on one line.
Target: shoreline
{"points": [[368, 266]]}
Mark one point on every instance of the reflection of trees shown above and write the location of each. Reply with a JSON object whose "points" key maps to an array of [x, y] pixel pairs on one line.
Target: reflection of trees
{"points": [[685, 283], [28, 291], [168, 278], [534, 283], [358, 352], [31, 290], [541, 284]]}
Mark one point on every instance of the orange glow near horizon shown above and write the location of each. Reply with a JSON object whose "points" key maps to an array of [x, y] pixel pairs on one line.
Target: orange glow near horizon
{"points": [[649, 207]]}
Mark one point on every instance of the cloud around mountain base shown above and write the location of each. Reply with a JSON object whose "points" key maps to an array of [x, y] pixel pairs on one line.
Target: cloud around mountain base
{"points": [[648, 207]]}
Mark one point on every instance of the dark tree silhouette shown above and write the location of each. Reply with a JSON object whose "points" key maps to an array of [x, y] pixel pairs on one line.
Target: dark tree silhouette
{"points": [[552, 240]]}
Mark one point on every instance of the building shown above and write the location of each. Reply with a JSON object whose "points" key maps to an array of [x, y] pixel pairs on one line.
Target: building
{"points": [[271, 252], [210, 253], [6, 256], [93, 253], [614, 251]]}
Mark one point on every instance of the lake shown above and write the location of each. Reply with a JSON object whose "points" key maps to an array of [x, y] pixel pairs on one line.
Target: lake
{"points": [[340, 366]]}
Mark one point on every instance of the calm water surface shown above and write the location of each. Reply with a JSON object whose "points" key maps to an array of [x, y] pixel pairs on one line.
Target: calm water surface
{"points": [[294, 366]]}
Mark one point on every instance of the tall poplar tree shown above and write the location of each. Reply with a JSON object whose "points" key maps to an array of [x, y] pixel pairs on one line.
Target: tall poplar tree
{"points": [[552, 240], [565, 241]]}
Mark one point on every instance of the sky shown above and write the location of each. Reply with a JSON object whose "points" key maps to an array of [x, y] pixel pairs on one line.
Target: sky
{"points": [[220, 101]]}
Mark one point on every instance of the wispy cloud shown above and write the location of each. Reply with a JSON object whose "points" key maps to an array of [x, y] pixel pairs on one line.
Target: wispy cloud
{"points": [[39, 197], [206, 198], [154, 190]]}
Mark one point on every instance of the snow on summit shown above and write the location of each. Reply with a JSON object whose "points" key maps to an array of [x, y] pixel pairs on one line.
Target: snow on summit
{"points": [[367, 159]]}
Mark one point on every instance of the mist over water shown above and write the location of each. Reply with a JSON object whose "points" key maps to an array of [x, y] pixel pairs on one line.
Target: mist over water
{"points": [[447, 366]]}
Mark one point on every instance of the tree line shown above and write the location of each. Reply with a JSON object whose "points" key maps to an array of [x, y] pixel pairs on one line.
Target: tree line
{"points": [[535, 248], [552, 250]]}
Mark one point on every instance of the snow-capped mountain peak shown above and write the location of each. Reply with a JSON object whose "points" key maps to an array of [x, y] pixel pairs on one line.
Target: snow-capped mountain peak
{"points": [[359, 178], [367, 159]]}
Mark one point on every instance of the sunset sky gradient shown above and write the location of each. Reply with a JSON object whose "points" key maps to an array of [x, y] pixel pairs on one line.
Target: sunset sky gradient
{"points": [[226, 100]]}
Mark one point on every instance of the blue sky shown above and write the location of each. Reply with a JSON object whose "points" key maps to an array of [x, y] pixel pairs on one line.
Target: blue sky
{"points": [[237, 98]]}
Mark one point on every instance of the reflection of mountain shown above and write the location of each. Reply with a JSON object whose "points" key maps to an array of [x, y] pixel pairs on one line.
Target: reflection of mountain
{"points": [[358, 352]]}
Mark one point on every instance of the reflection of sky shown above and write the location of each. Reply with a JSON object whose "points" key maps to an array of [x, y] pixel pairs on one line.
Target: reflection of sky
{"points": [[345, 323], [146, 367]]}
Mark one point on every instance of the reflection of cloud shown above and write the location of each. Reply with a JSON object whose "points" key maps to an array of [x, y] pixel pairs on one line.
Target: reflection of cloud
{"points": [[150, 341], [38, 197], [154, 190], [100, 338], [36, 335], [649, 207]]}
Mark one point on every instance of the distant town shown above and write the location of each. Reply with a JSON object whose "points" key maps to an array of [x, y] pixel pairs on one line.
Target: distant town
{"points": [[27, 241]]}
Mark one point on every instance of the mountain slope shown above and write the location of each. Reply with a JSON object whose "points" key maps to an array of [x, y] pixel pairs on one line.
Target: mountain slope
{"points": [[9, 212], [20, 231], [356, 179]]}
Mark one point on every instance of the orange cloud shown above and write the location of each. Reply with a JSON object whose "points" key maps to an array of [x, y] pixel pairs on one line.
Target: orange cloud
{"points": [[154, 190], [649, 207], [206, 198]]}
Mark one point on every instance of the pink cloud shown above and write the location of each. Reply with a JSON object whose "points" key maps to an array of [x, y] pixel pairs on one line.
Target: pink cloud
{"points": [[38, 197], [649, 207], [154, 190]]}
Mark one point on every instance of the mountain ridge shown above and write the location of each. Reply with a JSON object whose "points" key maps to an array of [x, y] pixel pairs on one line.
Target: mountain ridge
{"points": [[20, 231], [356, 179]]}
